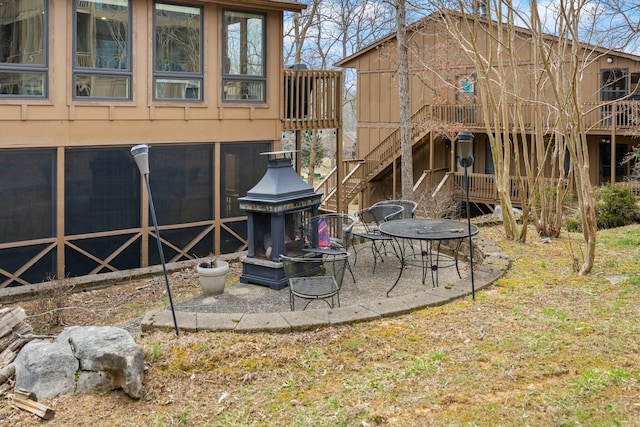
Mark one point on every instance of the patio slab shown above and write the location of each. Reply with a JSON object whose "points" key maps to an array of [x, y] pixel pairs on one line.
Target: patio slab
{"points": [[255, 308]]}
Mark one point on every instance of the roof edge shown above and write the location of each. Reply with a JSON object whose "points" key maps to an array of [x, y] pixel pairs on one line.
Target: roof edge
{"points": [[281, 5], [347, 62]]}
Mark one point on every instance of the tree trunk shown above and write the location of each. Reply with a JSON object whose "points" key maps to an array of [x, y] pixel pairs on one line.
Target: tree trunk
{"points": [[404, 99]]}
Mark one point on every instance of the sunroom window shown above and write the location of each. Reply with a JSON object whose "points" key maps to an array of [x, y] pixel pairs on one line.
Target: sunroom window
{"points": [[178, 52], [243, 62], [23, 49], [102, 49]]}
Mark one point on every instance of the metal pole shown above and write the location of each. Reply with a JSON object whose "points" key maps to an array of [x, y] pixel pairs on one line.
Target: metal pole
{"points": [[164, 267], [466, 184]]}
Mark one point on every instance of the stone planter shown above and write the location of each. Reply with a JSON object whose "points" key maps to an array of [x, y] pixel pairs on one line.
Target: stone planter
{"points": [[212, 278]]}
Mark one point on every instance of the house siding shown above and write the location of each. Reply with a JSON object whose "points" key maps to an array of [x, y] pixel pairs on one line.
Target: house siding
{"points": [[60, 125], [378, 107]]}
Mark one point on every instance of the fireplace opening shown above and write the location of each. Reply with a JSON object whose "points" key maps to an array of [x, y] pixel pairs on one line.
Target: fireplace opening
{"points": [[293, 242]]}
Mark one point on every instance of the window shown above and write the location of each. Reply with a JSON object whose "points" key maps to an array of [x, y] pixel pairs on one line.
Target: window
{"points": [[613, 84], [23, 49], [243, 74], [465, 98], [489, 167], [178, 52], [102, 49], [466, 93]]}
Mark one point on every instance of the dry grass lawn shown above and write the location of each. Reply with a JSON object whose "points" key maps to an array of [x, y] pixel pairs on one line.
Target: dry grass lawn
{"points": [[541, 347]]}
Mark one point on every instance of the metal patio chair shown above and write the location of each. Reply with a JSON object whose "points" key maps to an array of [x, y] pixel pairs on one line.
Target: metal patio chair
{"points": [[370, 219], [409, 206], [329, 234], [315, 277]]}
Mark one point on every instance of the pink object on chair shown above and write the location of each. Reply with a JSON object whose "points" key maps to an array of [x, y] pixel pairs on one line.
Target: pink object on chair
{"points": [[324, 242]]}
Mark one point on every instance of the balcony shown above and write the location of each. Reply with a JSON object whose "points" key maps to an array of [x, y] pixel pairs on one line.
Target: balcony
{"points": [[312, 99], [597, 117]]}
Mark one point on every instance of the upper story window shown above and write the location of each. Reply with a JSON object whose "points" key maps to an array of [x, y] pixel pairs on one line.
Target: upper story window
{"points": [[177, 74], [614, 84], [23, 49], [244, 71], [466, 93], [102, 49]]}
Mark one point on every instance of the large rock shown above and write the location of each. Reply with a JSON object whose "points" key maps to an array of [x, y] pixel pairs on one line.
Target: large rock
{"points": [[46, 368], [81, 360]]}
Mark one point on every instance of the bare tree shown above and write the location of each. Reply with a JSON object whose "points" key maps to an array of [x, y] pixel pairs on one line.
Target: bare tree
{"points": [[297, 32], [495, 82]]}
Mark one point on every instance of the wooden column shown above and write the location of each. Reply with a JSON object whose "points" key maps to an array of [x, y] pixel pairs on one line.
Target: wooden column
{"points": [[613, 142], [340, 173], [59, 214], [144, 223]]}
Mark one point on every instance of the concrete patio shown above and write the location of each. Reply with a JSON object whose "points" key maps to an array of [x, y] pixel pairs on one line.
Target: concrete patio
{"points": [[253, 308]]}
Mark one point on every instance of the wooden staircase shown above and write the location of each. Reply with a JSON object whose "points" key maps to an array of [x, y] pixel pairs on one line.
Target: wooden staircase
{"points": [[359, 172]]}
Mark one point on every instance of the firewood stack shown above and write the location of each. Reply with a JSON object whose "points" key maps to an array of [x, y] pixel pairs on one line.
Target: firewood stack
{"points": [[15, 332]]}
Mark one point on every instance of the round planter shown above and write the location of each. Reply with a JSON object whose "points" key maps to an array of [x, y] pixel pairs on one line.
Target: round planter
{"points": [[213, 279]]}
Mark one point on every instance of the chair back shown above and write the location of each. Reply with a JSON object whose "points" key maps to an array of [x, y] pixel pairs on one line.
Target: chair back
{"points": [[315, 277], [307, 266], [316, 265], [336, 227], [409, 206], [385, 212]]}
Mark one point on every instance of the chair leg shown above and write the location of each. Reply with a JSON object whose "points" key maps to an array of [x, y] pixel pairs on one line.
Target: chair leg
{"points": [[355, 251], [375, 252], [351, 271]]}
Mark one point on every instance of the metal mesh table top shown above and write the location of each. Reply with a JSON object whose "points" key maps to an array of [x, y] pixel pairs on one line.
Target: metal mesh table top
{"points": [[428, 229]]}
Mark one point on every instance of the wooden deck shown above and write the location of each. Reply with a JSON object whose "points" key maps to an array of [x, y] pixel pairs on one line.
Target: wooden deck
{"points": [[482, 188], [598, 117], [312, 99]]}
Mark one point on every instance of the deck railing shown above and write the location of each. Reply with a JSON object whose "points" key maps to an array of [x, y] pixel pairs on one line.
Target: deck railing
{"points": [[634, 186], [597, 116], [353, 178], [482, 187], [389, 149], [312, 99]]}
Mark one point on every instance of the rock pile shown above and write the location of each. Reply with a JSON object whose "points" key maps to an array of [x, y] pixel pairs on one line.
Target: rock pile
{"points": [[82, 359]]}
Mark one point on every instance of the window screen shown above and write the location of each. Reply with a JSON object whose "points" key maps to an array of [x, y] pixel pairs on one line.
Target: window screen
{"points": [[102, 190], [27, 191], [242, 167]]}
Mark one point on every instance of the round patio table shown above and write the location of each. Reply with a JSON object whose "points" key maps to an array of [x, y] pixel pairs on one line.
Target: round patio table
{"points": [[430, 233]]}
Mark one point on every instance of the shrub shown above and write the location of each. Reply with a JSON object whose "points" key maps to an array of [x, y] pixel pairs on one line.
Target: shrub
{"points": [[573, 225], [615, 206], [443, 205]]}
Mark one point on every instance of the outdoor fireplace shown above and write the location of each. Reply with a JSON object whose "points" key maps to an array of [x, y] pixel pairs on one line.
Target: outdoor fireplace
{"points": [[276, 207]]}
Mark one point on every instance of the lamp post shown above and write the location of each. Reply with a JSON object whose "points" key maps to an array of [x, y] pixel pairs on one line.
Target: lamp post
{"points": [[140, 154], [465, 144]]}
